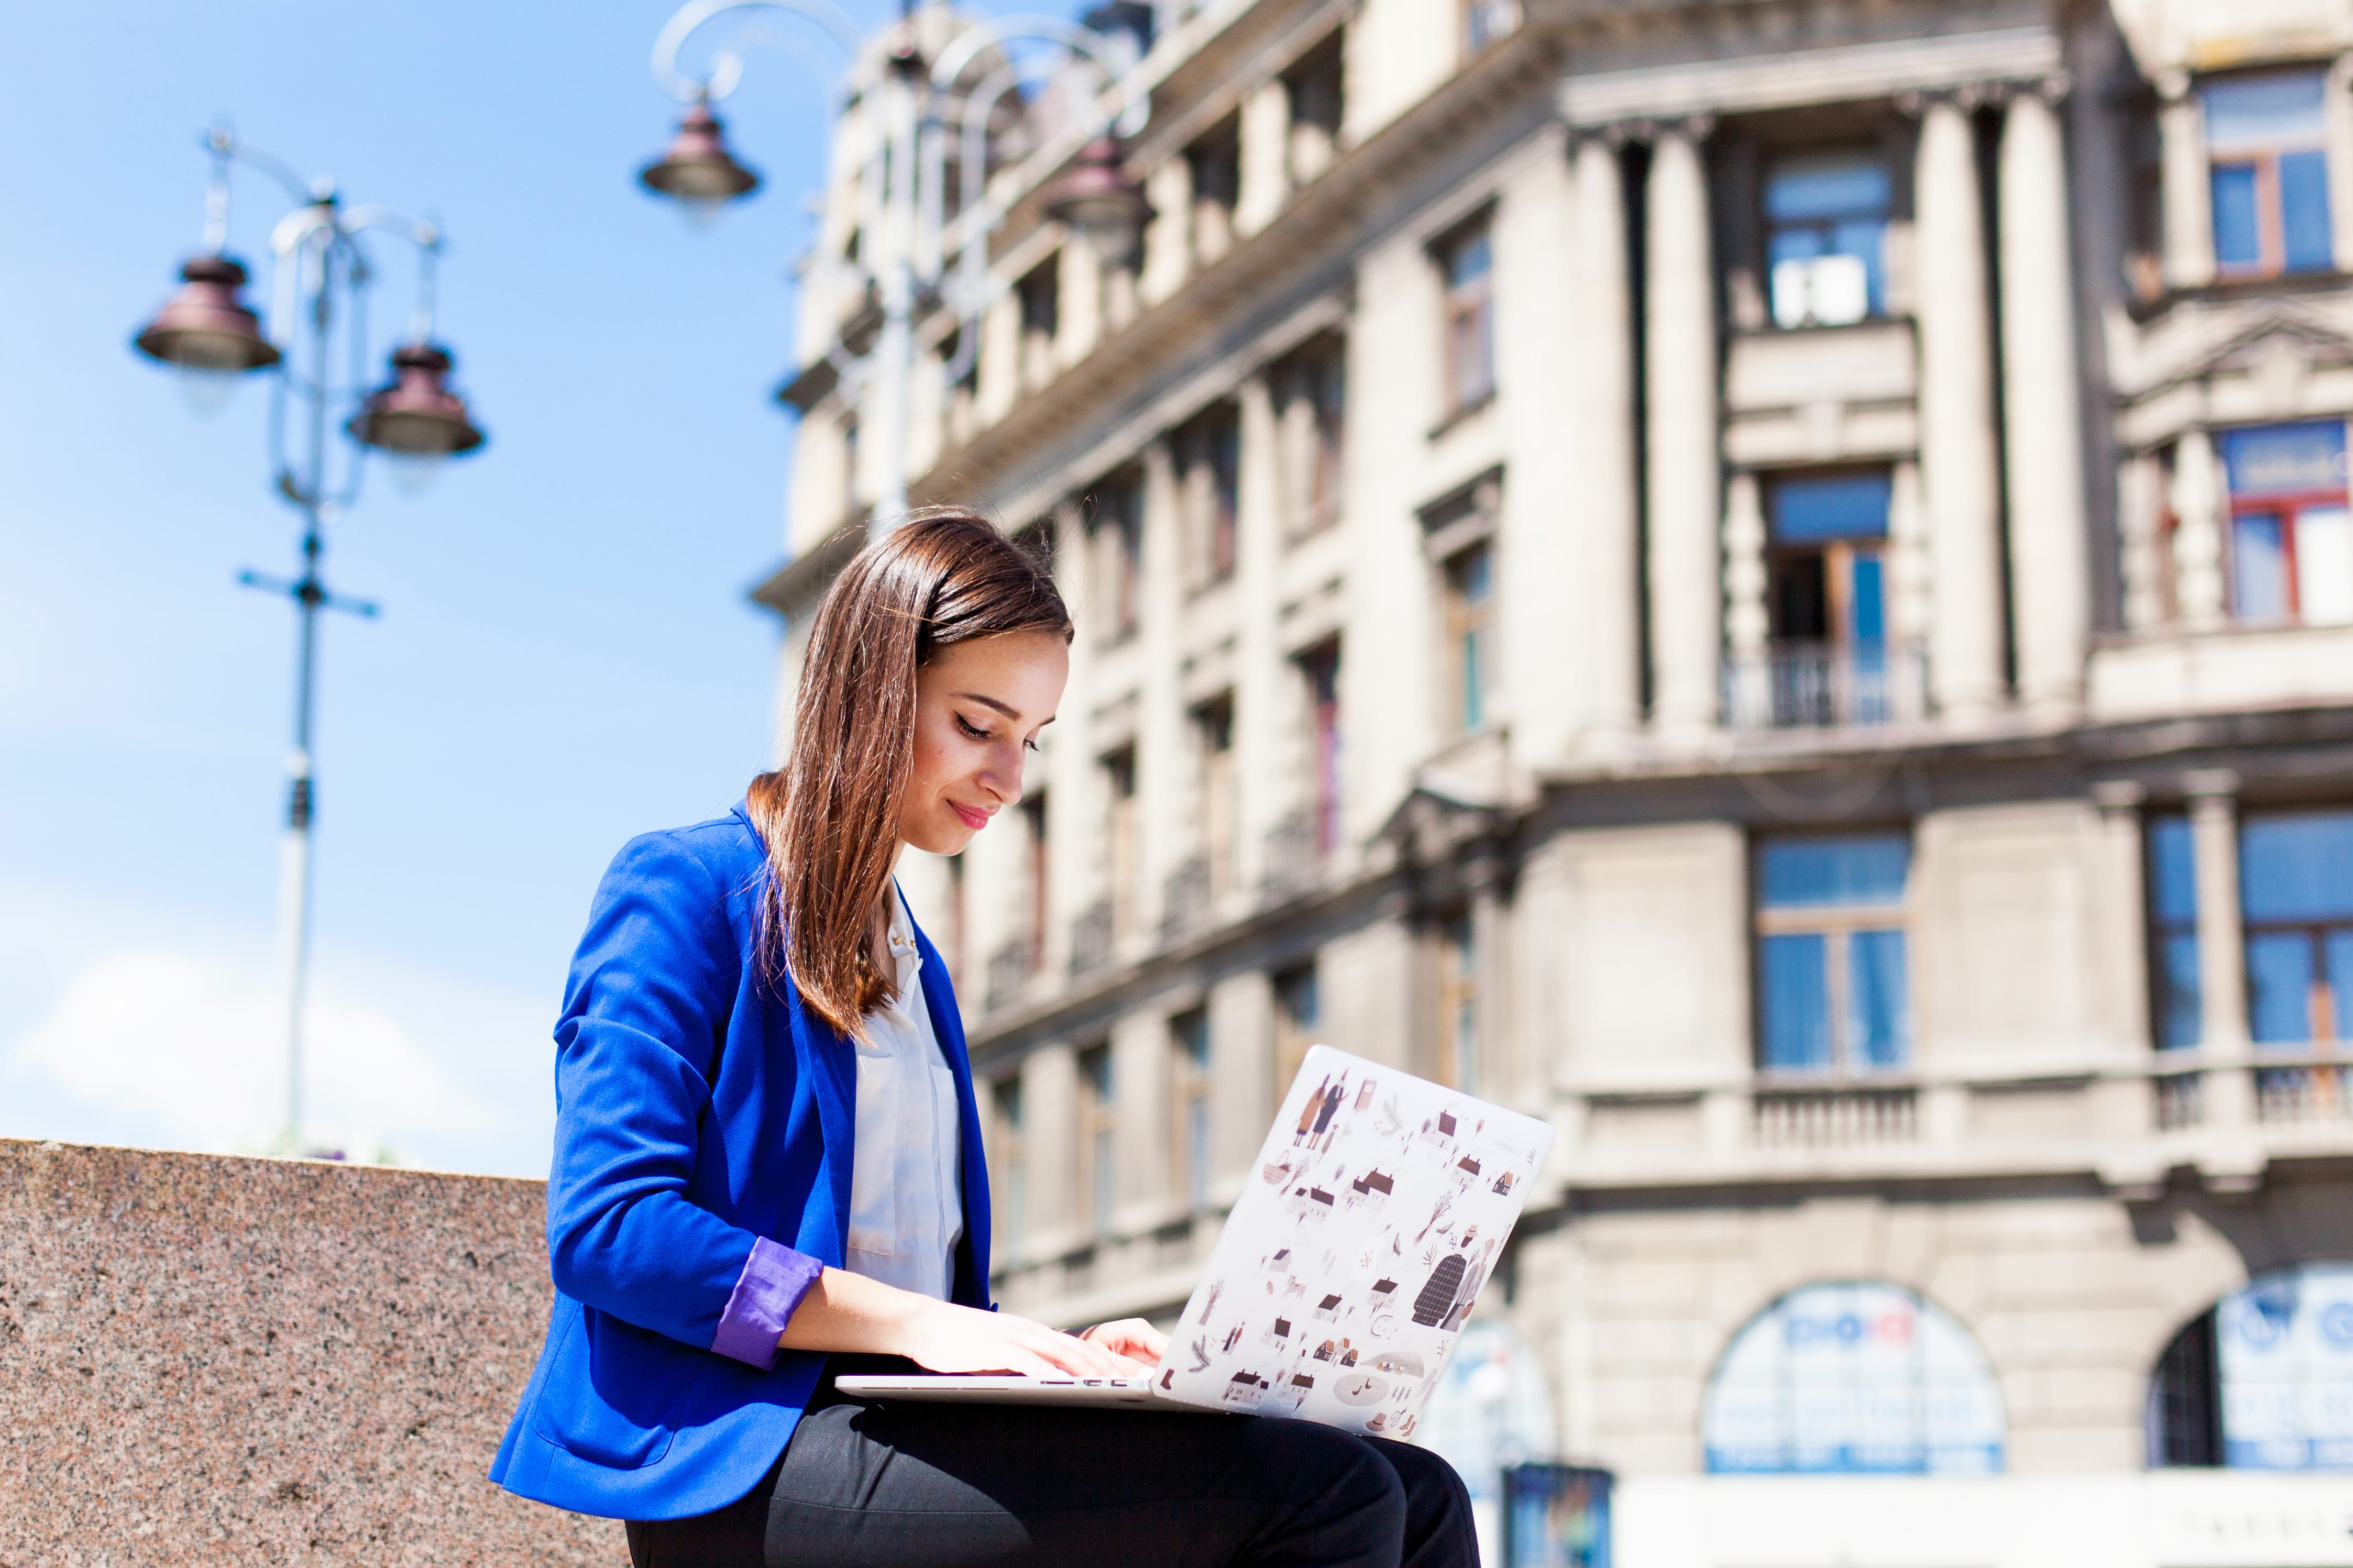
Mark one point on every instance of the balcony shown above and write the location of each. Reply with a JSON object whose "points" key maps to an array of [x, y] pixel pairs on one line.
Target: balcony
{"points": [[2320, 1091], [1188, 902], [1820, 686], [1294, 858], [1093, 939], [1834, 1118], [1009, 969]]}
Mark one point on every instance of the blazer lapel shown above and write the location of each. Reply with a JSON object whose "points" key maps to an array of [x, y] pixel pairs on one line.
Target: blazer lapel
{"points": [[835, 1083]]}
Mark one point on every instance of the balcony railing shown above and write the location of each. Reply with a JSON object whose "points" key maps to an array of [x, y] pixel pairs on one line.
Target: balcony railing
{"points": [[2320, 1092], [1294, 857], [1009, 968], [1815, 685], [1835, 1118], [2181, 1099], [1188, 901], [1092, 938]]}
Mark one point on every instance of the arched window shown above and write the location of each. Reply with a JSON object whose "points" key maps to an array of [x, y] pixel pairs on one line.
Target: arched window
{"points": [[2263, 1380], [1858, 1379]]}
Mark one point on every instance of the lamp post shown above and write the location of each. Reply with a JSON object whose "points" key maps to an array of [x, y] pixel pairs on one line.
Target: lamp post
{"points": [[919, 250], [321, 269]]}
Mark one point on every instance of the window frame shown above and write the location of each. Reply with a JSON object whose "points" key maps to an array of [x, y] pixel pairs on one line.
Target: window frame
{"points": [[1294, 1026], [1009, 1162], [1769, 229], [1191, 1084], [2263, 159], [1838, 925], [1467, 331], [1123, 837], [1459, 1000], [1098, 1129]]}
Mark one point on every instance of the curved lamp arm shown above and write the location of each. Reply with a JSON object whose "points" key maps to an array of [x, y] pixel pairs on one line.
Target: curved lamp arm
{"points": [[727, 70], [426, 235]]}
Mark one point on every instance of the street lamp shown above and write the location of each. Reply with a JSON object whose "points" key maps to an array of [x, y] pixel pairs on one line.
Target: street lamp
{"points": [[919, 250], [321, 269]]}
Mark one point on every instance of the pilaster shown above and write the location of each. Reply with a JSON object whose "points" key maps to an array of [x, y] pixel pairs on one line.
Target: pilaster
{"points": [[2185, 192], [2221, 946], [1604, 434], [1679, 329], [2197, 502], [1265, 156]]}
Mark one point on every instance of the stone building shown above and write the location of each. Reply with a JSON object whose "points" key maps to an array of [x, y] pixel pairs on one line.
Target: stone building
{"points": [[1770, 582]]}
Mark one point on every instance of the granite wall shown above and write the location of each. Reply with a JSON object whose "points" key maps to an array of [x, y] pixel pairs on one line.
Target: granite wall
{"points": [[206, 1360]]}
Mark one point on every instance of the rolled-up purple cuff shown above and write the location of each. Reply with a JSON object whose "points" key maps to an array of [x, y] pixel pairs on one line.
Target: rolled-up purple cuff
{"points": [[774, 1280]]}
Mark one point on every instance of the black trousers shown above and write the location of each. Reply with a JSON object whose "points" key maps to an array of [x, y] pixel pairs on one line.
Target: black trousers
{"points": [[943, 1485]]}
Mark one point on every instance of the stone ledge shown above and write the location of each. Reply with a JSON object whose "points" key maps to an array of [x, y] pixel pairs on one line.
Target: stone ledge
{"points": [[207, 1359]]}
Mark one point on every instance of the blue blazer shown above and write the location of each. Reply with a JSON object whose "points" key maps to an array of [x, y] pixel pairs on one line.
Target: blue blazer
{"points": [[700, 1177]]}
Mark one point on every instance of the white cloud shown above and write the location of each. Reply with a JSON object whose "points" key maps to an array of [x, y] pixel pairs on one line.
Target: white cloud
{"points": [[126, 1022]]}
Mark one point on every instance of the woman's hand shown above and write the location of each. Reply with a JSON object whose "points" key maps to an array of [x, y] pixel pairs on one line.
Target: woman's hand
{"points": [[1133, 1338], [949, 1338], [845, 1312]]}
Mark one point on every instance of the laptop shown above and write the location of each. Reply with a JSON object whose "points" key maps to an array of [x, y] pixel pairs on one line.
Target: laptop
{"points": [[1335, 1293]]}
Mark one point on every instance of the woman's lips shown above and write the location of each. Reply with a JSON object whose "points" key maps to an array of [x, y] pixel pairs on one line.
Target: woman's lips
{"points": [[975, 820]]}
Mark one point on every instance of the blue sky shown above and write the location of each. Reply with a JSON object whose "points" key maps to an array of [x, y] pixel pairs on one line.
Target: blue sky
{"points": [[566, 654]]}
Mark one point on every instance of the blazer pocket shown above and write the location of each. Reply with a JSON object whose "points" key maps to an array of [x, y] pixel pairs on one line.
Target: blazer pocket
{"points": [[614, 1390]]}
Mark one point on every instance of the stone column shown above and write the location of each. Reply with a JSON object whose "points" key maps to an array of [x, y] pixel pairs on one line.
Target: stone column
{"points": [[1265, 156], [2123, 912], [2197, 501], [2049, 549], [2140, 502], [1679, 328], [1078, 301], [1162, 779], [1604, 434], [1000, 358], [1049, 1144], [1957, 457], [2186, 194], [2221, 942], [1911, 609], [1747, 624]]}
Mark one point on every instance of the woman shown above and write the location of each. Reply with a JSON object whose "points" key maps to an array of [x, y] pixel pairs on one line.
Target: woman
{"points": [[768, 1168]]}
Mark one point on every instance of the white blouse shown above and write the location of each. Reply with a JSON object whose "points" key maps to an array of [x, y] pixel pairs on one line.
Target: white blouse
{"points": [[906, 1202]]}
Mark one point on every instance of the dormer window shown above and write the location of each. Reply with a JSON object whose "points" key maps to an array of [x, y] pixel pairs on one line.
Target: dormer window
{"points": [[1825, 238]]}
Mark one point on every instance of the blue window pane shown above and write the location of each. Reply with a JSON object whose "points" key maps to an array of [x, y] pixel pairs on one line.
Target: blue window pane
{"points": [[1470, 261], [1841, 505], [1826, 188], [1878, 1012], [1867, 602], [2173, 870], [2304, 211], [1797, 1001], [2253, 110], [2178, 1019], [1475, 682], [1804, 873], [2337, 951], [2297, 868], [2258, 567], [2238, 236], [2279, 987], [2284, 459]]}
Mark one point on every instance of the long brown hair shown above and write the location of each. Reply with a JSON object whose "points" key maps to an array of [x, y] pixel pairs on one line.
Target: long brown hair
{"points": [[829, 816]]}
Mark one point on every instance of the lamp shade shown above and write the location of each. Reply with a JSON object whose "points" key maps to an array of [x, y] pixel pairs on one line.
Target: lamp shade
{"points": [[417, 415], [204, 326], [1096, 197], [698, 167]]}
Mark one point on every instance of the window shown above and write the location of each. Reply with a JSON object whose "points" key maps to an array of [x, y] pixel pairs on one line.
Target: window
{"points": [[1115, 522], [1320, 670], [1040, 294], [1311, 387], [2290, 536], [1011, 1159], [1123, 852], [1848, 1379], [1832, 991], [1826, 597], [1825, 231], [1208, 465], [1188, 1061], [1098, 1139], [2261, 1381], [1298, 1014], [1466, 261], [2173, 933], [1485, 21], [1220, 788], [1314, 86], [959, 925], [2295, 893], [2269, 172], [1216, 162], [1040, 891], [1470, 609], [1458, 1004]]}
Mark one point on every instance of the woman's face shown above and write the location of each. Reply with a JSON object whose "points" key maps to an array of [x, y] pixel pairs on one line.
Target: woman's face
{"points": [[979, 706]]}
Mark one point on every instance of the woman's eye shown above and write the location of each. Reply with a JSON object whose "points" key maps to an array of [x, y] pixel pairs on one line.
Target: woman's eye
{"points": [[968, 726], [1029, 745]]}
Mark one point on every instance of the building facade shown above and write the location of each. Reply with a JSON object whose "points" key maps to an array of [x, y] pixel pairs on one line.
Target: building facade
{"points": [[1769, 582]]}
